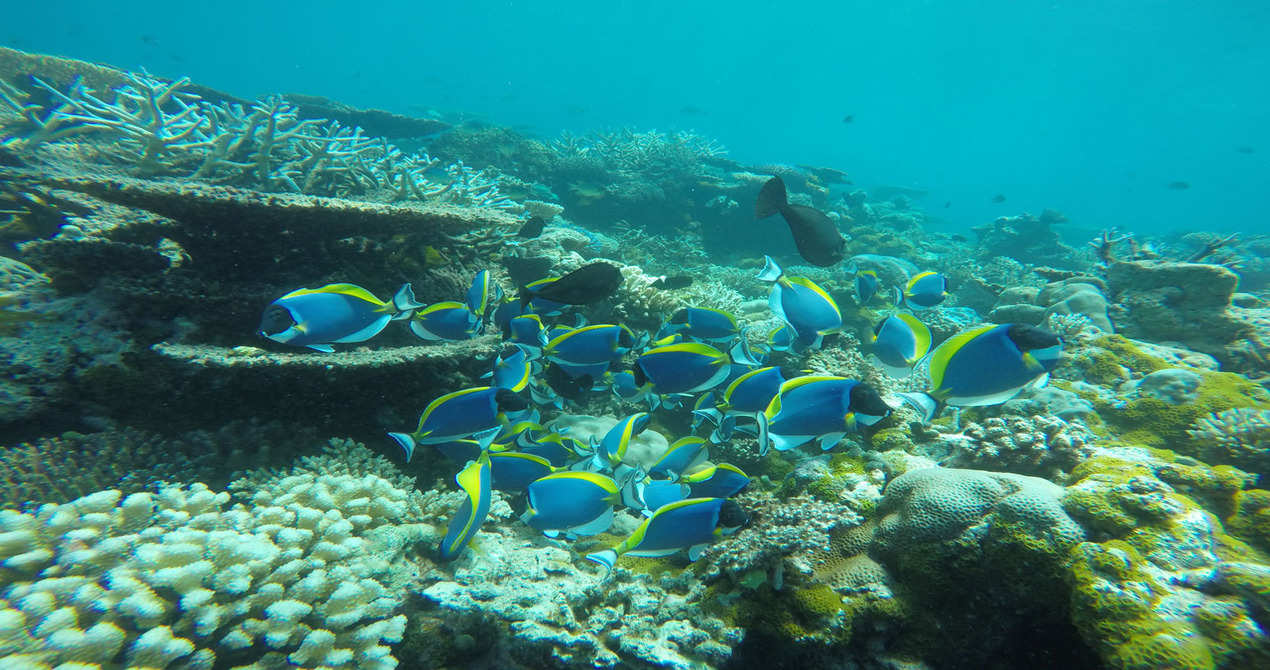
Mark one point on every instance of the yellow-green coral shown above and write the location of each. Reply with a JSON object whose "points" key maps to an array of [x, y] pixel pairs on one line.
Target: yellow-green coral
{"points": [[1154, 422], [1251, 518]]}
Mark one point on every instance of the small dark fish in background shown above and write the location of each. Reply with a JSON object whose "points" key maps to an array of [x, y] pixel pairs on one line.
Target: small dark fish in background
{"points": [[1246, 149], [566, 386], [532, 228], [671, 283], [689, 110], [947, 204], [958, 238], [1177, 186], [149, 40], [998, 198], [588, 284], [848, 118], [815, 234]]}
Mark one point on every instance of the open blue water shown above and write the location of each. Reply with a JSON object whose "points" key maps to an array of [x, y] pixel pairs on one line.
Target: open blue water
{"points": [[1087, 107]]}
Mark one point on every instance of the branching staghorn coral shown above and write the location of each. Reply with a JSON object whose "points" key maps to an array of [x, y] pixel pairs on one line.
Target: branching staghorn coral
{"points": [[651, 153], [158, 128]]}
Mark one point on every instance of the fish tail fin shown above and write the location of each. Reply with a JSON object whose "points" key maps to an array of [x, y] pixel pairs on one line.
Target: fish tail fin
{"points": [[771, 271], [764, 437], [741, 353], [606, 558], [405, 303], [771, 198], [897, 296], [406, 441], [925, 405]]}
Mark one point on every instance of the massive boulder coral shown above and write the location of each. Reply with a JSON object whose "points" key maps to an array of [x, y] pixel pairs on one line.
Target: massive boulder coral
{"points": [[982, 551], [1172, 301]]}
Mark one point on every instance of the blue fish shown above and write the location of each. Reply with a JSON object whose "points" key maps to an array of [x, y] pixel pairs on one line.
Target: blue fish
{"points": [[987, 366], [512, 370], [720, 481], [687, 367], [475, 482], [448, 320], [477, 413], [705, 324], [690, 524], [781, 338], [478, 294], [923, 291], [623, 385], [557, 449], [611, 450], [515, 471], [576, 503], [866, 286], [459, 451], [333, 314], [651, 494], [599, 344], [899, 341], [753, 392], [682, 455], [808, 309], [819, 408], [527, 330]]}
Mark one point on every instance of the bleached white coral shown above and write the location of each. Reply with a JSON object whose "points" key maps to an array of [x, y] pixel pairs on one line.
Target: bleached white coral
{"points": [[638, 299], [176, 577]]}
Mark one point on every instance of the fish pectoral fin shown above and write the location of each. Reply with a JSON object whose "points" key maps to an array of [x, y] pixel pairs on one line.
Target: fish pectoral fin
{"points": [[595, 526], [695, 551], [830, 440]]}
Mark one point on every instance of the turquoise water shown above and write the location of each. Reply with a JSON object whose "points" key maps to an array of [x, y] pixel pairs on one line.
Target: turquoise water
{"points": [[1086, 107]]}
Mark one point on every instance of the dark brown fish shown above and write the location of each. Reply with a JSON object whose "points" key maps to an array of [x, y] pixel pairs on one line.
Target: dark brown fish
{"points": [[848, 118], [670, 283], [815, 234], [532, 228], [587, 284], [998, 198], [1177, 186]]}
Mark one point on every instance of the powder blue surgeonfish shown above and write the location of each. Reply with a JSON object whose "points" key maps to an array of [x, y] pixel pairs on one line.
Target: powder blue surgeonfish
{"points": [[800, 302], [475, 482], [866, 286], [687, 367], [899, 341], [477, 413], [513, 471], [512, 369], [598, 344], [690, 524], [575, 503], [333, 314], [719, 481], [987, 366], [819, 408], [923, 291], [450, 320], [705, 324], [610, 450]]}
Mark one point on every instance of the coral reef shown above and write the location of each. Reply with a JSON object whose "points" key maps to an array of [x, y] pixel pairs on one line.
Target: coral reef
{"points": [[1238, 437], [1179, 302], [303, 576], [60, 469], [1160, 584]]}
